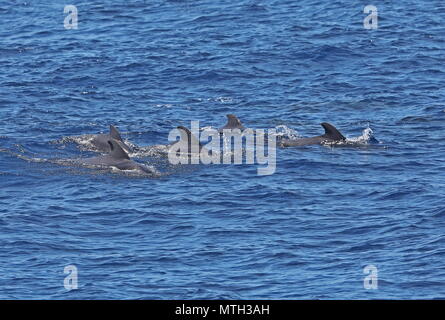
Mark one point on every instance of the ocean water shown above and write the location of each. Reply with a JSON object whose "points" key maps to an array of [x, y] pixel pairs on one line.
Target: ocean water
{"points": [[223, 231]]}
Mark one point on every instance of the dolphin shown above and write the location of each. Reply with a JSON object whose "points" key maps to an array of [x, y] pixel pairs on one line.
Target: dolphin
{"points": [[331, 134], [232, 123], [117, 158], [101, 141]]}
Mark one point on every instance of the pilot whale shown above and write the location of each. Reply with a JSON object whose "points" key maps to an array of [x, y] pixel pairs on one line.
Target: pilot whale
{"points": [[331, 134], [232, 123], [100, 141], [181, 147], [117, 158], [186, 140]]}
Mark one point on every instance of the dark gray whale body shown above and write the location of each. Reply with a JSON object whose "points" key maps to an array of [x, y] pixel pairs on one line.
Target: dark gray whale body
{"points": [[331, 134], [232, 123], [117, 158], [186, 140], [182, 146], [100, 141]]}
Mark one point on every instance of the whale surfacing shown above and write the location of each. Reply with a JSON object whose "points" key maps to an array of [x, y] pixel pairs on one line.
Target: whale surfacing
{"points": [[188, 143], [232, 123], [331, 134], [100, 141], [117, 158]]}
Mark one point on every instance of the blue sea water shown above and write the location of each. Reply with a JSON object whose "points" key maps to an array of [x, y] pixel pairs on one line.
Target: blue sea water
{"points": [[222, 231]]}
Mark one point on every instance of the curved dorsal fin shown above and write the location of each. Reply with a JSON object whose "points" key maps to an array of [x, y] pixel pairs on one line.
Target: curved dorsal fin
{"points": [[187, 135], [233, 121], [331, 132], [116, 150], [114, 133]]}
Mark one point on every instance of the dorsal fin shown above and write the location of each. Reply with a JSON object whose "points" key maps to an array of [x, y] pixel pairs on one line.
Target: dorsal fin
{"points": [[187, 135], [233, 121], [116, 150], [331, 132], [114, 133]]}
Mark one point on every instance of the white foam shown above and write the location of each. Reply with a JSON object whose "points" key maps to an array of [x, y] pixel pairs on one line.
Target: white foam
{"points": [[364, 139], [366, 136], [284, 131]]}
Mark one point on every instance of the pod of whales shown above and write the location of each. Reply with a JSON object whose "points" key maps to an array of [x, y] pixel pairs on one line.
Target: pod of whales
{"points": [[117, 150]]}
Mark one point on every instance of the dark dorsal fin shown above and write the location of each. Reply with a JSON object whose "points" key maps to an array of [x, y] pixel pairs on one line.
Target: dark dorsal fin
{"points": [[187, 135], [114, 133], [233, 121], [116, 150], [331, 132]]}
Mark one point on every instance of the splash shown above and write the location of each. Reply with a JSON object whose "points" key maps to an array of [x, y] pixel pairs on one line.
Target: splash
{"points": [[365, 139], [283, 131]]}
